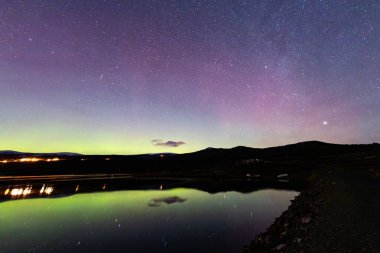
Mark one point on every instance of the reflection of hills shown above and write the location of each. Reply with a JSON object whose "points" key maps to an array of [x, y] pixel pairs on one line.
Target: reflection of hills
{"points": [[41, 187]]}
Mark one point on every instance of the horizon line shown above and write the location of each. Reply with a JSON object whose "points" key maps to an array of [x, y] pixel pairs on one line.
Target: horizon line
{"points": [[115, 154]]}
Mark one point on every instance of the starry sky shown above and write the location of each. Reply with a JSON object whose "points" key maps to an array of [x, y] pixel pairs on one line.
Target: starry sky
{"points": [[141, 76]]}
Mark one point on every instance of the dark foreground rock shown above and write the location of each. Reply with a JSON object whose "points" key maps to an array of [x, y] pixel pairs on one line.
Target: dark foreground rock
{"points": [[288, 232], [339, 212]]}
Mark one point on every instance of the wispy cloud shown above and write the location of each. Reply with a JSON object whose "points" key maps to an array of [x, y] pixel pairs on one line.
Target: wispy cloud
{"points": [[172, 144]]}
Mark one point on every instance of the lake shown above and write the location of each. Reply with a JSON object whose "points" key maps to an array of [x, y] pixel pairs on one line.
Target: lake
{"points": [[173, 220]]}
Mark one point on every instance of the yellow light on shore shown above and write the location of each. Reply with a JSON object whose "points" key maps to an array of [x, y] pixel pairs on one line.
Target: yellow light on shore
{"points": [[29, 159], [56, 159]]}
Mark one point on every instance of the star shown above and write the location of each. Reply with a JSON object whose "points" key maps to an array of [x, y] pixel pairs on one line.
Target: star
{"points": [[236, 69]]}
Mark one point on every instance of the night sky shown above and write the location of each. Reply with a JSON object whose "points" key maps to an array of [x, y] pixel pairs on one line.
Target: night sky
{"points": [[141, 76]]}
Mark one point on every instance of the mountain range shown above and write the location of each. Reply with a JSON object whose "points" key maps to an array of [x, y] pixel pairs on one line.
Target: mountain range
{"points": [[307, 148]]}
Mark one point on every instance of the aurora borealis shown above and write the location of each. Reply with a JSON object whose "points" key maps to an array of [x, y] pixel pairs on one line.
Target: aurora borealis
{"points": [[126, 77]]}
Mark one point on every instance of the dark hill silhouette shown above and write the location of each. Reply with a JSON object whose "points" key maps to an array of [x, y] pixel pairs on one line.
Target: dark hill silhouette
{"points": [[307, 148], [12, 152], [298, 150], [202, 161]]}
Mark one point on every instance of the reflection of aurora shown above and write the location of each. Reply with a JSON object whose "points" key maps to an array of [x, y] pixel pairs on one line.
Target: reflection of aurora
{"points": [[111, 221]]}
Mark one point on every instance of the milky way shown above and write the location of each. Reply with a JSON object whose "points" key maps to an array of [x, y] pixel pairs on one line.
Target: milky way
{"points": [[113, 76]]}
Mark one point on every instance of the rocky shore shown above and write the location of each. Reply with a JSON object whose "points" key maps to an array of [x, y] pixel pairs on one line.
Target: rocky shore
{"points": [[338, 212], [289, 232]]}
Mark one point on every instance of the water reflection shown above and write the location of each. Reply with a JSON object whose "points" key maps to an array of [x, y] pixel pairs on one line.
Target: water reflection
{"points": [[17, 191], [13, 188], [46, 190], [187, 220], [166, 200]]}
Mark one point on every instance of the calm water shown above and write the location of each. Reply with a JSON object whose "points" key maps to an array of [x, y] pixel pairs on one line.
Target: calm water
{"points": [[177, 220]]}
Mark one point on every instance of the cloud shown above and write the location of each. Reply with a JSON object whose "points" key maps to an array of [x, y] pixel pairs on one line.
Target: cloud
{"points": [[171, 144]]}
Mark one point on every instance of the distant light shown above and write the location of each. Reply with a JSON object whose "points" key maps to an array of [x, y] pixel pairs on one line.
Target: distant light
{"points": [[325, 123], [33, 159], [4, 161], [29, 159], [6, 192], [77, 188], [56, 159]]}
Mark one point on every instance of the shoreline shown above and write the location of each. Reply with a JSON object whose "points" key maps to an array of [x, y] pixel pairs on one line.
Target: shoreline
{"points": [[337, 212], [288, 233]]}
